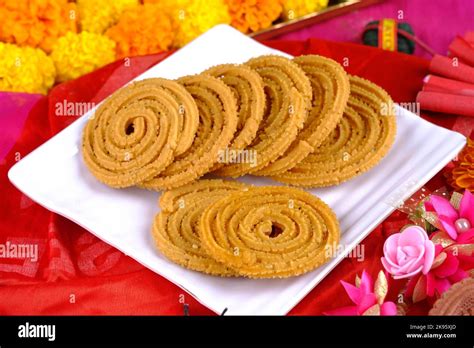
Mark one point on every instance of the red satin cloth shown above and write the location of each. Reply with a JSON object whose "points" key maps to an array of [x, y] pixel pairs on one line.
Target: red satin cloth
{"points": [[79, 274]]}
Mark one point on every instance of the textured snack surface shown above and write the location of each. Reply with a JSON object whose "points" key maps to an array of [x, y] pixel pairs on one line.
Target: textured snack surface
{"points": [[288, 99], [361, 139], [330, 91], [217, 125], [269, 232], [247, 87], [175, 227], [136, 132]]}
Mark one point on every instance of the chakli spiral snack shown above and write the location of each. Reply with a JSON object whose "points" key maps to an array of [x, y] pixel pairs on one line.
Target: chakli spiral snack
{"points": [[362, 138], [288, 93], [457, 300], [330, 86], [269, 232], [217, 125], [175, 227], [247, 87], [188, 111], [134, 134]]}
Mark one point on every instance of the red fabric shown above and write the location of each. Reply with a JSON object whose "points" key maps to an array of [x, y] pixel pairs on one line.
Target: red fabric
{"points": [[79, 274]]}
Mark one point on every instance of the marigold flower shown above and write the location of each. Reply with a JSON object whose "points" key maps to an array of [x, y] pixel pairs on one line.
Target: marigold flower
{"points": [[197, 16], [462, 175], [36, 23], [142, 30], [96, 16], [297, 8], [25, 69], [77, 54], [254, 15]]}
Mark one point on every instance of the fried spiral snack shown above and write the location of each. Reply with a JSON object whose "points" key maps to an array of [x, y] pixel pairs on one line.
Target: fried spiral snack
{"points": [[330, 86], [188, 111], [134, 134], [269, 232], [175, 227], [362, 138], [247, 87], [288, 96], [217, 125]]}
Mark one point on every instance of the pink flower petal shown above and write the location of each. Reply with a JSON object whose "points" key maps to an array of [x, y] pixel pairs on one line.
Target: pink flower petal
{"points": [[353, 292], [391, 263], [411, 250], [388, 308], [402, 257], [429, 256], [413, 235], [408, 275], [366, 302], [442, 285], [390, 268], [466, 237], [366, 283], [390, 247], [448, 226], [458, 276], [405, 266], [448, 267], [466, 208], [442, 207], [418, 260]]}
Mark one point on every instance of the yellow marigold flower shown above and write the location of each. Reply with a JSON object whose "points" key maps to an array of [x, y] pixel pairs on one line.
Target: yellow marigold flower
{"points": [[297, 8], [96, 16], [25, 69], [191, 18], [462, 175], [36, 23], [197, 16], [77, 54], [254, 15]]}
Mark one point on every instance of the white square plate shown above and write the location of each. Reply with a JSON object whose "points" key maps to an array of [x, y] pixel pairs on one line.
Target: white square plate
{"points": [[54, 176]]}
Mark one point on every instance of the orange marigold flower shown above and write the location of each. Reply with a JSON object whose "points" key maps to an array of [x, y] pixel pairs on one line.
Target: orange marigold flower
{"points": [[36, 23], [254, 15], [462, 175], [145, 29]]}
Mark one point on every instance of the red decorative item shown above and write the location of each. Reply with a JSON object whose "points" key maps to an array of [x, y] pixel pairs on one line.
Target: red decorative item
{"points": [[79, 274]]}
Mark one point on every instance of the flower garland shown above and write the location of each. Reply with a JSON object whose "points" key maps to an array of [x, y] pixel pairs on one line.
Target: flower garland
{"points": [[36, 23], [250, 16], [25, 69], [137, 27], [77, 54], [142, 30], [96, 16]]}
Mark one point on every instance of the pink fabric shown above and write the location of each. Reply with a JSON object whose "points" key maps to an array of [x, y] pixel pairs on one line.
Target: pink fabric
{"points": [[15, 108], [435, 23]]}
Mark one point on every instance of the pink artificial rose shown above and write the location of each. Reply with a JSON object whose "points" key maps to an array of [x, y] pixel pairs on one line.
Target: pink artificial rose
{"points": [[408, 253]]}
